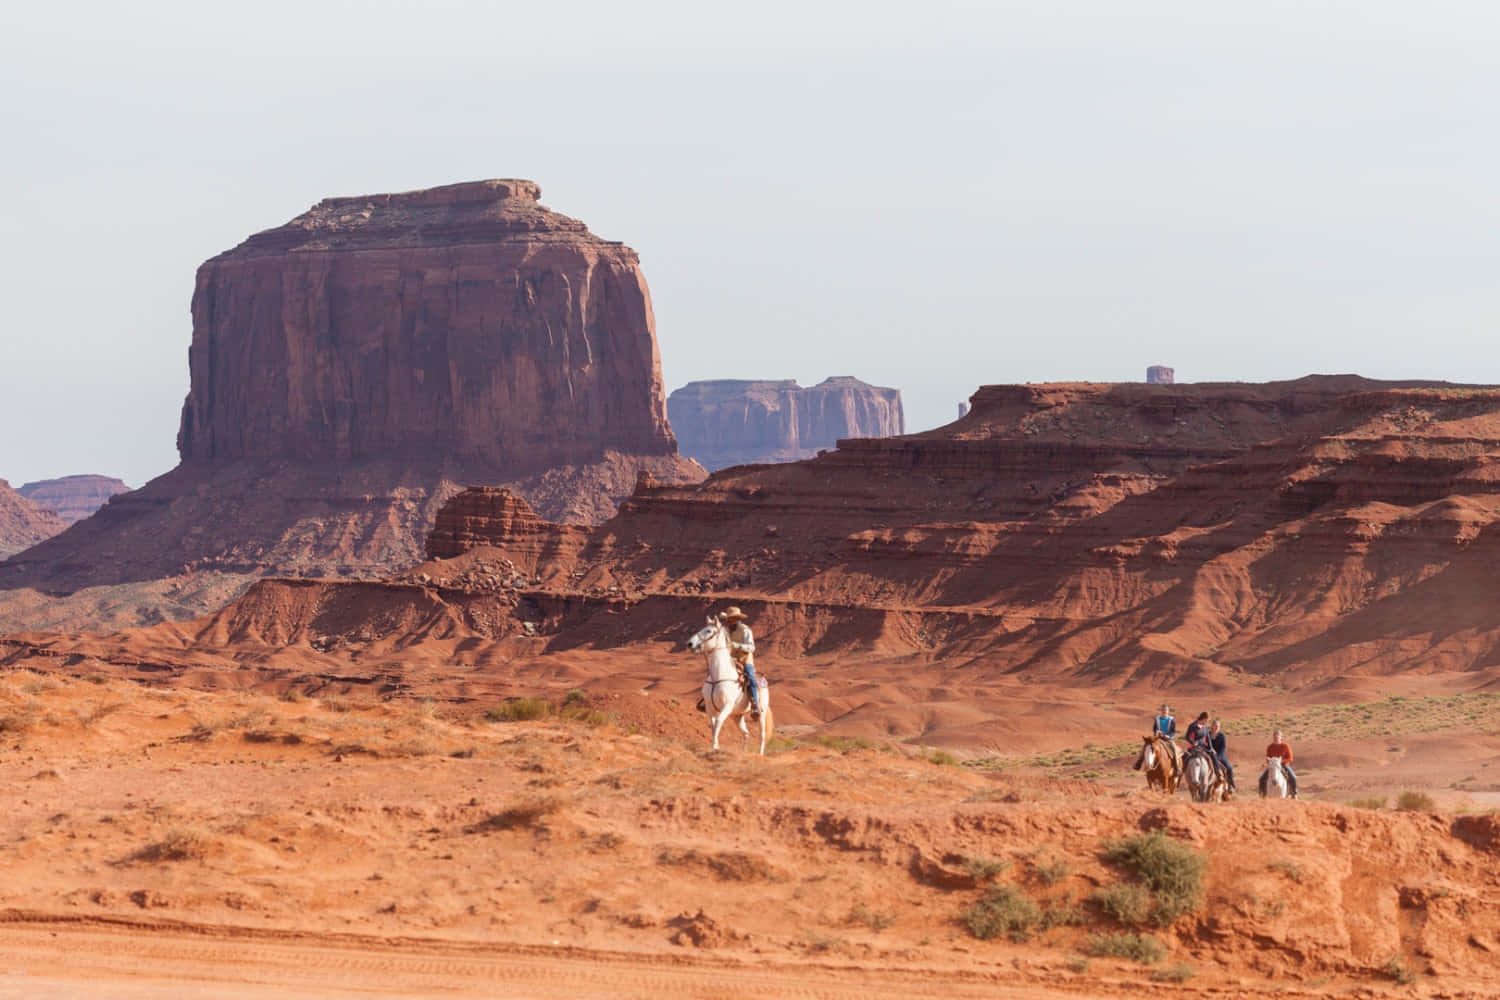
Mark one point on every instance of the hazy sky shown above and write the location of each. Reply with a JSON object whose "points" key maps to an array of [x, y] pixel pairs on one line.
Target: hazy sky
{"points": [[930, 195]]}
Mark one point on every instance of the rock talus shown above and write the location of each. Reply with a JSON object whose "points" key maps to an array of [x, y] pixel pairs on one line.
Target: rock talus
{"points": [[24, 523], [727, 422]]}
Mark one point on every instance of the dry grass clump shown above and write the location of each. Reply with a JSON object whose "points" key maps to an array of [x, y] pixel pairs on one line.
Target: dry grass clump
{"points": [[1141, 948], [1004, 909], [1179, 973], [18, 720], [1410, 801], [180, 843], [96, 712], [731, 866], [873, 919], [1171, 871], [1290, 869], [1126, 902], [520, 710], [985, 869], [1372, 802]]}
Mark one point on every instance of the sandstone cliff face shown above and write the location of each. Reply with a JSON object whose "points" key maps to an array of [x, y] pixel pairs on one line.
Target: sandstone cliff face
{"points": [[355, 368], [1311, 530], [73, 498], [464, 321], [730, 422], [23, 523]]}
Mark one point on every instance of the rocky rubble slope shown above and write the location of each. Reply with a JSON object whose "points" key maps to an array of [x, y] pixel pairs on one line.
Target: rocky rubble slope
{"points": [[22, 522]]}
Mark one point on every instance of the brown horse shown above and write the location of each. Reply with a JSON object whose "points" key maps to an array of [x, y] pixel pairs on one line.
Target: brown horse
{"points": [[1160, 763]]}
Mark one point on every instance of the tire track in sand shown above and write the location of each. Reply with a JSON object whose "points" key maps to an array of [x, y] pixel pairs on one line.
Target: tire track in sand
{"points": [[48, 956]]}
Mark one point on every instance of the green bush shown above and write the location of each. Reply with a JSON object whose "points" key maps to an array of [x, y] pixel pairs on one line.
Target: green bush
{"points": [[1126, 902], [1003, 910], [1053, 873], [1141, 948], [1172, 871]]}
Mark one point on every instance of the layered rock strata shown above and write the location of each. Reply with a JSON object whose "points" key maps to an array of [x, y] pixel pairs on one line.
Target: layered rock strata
{"points": [[73, 498], [731, 422], [354, 368]]}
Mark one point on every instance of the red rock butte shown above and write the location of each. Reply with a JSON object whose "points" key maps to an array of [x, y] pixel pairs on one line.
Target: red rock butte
{"points": [[353, 369], [465, 320]]}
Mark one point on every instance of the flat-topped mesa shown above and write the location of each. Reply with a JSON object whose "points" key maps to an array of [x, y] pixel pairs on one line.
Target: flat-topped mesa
{"points": [[466, 321], [472, 212], [73, 498], [725, 422]]}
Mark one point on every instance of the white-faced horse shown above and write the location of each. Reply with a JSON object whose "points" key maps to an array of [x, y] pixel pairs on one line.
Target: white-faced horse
{"points": [[1204, 781], [724, 694], [1275, 786], [1157, 760]]}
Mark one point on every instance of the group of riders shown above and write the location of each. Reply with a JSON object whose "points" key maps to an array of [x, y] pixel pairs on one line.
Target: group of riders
{"points": [[1203, 736]]}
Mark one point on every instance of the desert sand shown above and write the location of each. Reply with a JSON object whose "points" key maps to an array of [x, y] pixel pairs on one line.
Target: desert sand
{"points": [[169, 839]]}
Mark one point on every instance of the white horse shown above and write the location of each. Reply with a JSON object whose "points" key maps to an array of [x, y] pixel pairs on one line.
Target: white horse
{"points": [[1204, 782], [1276, 784], [724, 694]]}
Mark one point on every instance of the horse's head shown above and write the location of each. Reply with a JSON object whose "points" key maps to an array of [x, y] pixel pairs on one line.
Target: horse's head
{"points": [[699, 641], [1273, 763]]}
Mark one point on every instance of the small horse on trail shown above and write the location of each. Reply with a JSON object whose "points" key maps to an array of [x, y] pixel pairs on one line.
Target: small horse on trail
{"points": [[1275, 786], [724, 692], [1205, 781], [1156, 757]]}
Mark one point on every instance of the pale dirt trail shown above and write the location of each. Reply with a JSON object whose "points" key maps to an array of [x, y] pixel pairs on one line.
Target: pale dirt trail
{"points": [[41, 961]]}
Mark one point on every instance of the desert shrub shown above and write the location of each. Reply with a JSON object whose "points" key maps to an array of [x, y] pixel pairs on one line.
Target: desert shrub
{"points": [[1399, 970], [1063, 913], [1078, 964], [1141, 948], [519, 710], [18, 721], [730, 866], [1290, 869], [1179, 973], [575, 697], [1373, 802], [1410, 801], [180, 843], [1126, 902], [1053, 873], [1172, 871], [984, 869], [1003, 910], [824, 942], [873, 919], [943, 758], [778, 744]]}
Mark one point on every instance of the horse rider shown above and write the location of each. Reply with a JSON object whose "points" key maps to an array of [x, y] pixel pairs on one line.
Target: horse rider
{"points": [[1197, 731], [1279, 748], [742, 648], [1165, 726], [1217, 745]]}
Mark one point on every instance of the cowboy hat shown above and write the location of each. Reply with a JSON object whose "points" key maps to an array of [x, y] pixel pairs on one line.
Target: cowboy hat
{"points": [[733, 615]]}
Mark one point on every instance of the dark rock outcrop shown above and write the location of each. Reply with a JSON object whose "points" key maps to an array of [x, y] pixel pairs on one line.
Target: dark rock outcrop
{"points": [[732, 422], [23, 523], [73, 498], [356, 367]]}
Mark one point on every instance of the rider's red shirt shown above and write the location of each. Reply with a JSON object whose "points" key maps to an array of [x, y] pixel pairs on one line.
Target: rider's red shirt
{"points": [[1280, 750]]}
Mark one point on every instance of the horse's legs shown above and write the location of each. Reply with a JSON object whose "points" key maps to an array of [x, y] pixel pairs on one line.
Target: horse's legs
{"points": [[720, 719], [765, 727]]}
